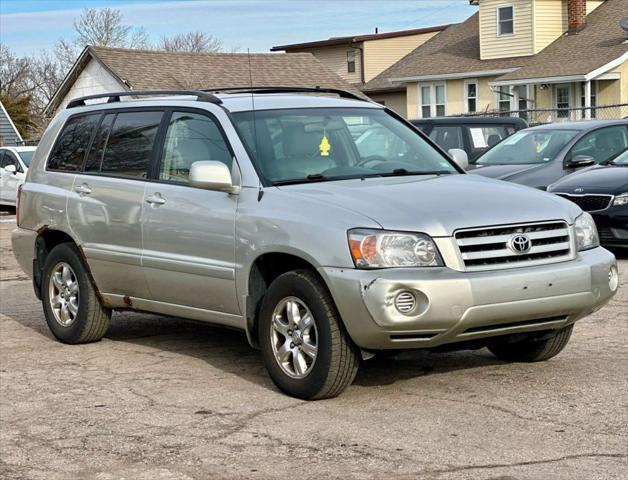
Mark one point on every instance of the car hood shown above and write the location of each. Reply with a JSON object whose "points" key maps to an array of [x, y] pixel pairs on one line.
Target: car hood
{"points": [[504, 172], [605, 179], [438, 205]]}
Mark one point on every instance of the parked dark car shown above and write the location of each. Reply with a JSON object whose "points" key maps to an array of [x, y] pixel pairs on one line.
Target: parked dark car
{"points": [[540, 156], [602, 191], [474, 135]]}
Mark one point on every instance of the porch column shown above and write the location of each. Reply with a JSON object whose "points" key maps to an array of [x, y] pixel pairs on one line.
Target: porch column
{"points": [[587, 100]]}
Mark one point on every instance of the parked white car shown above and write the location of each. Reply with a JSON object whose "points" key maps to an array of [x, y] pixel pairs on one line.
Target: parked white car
{"points": [[14, 163]]}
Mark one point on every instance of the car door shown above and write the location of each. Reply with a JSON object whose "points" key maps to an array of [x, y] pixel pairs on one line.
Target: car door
{"points": [[105, 204], [11, 181], [601, 145], [189, 244], [2, 174]]}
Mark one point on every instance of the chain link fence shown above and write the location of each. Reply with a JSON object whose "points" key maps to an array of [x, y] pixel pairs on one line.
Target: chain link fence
{"points": [[541, 116]]}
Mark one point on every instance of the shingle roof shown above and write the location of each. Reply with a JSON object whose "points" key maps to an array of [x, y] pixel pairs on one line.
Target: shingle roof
{"points": [[149, 69], [601, 41], [457, 50], [358, 38]]}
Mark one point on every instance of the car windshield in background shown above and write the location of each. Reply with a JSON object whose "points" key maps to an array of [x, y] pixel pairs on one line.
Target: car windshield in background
{"points": [[320, 144], [27, 157], [621, 159], [524, 147]]}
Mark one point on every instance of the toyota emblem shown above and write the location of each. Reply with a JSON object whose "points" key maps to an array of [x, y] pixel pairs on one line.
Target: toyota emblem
{"points": [[520, 244]]}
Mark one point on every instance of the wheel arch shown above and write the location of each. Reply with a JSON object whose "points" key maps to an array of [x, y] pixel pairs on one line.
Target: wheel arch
{"points": [[265, 268]]}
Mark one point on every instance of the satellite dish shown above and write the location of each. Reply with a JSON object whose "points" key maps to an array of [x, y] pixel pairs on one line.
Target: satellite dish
{"points": [[623, 23]]}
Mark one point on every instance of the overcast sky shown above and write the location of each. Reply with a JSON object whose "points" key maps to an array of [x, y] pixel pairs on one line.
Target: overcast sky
{"points": [[28, 26]]}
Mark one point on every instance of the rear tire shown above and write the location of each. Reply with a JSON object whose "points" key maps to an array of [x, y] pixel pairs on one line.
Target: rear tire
{"points": [[71, 307], [533, 350], [305, 347]]}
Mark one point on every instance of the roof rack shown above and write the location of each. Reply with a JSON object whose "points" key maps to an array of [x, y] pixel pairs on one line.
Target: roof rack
{"points": [[270, 90], [113, 97]]}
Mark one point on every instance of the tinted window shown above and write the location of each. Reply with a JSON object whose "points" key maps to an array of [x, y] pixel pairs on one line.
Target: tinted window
{"points": [[483, 137], [94, 157], [447, 137], [191, 137], [602, 144], [2, 159], [130, 144], [26, 157], [69, 151]]}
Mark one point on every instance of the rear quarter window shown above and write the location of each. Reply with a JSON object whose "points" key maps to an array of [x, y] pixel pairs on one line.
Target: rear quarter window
{"points": [[69, 150]]}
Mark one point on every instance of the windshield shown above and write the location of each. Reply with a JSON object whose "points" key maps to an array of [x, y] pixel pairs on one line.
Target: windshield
{"points": [[621, 159], [26, 157], [528, 146], [320, 144]]}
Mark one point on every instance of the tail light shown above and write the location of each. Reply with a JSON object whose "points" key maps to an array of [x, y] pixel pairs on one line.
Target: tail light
{"points": [[17, 204]]}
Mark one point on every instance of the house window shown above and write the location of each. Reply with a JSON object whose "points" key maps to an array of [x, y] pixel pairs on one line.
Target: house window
{"points": [[471, 96], [351, 61], [562, 101], [432, 100], [505, 20], [593, 99], [503, 99], [521, 94]]}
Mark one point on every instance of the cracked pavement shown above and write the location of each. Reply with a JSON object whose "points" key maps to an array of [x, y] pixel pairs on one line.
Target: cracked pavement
{"points": [[163, 398]]}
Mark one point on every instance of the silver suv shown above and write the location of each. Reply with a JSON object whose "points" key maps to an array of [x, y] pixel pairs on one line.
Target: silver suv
{"points": [[262, 210]]}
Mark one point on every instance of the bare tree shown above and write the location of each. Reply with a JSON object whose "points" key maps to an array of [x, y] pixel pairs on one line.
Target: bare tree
{"points": [[196, 42], [99, 27], [14, 73]]}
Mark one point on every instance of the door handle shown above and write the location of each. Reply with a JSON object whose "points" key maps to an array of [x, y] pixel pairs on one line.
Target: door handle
{"points": [[83, 189], [155, 199]]}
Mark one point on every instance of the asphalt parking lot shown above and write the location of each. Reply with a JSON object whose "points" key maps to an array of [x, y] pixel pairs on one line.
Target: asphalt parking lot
{"points": [[162, 398]]}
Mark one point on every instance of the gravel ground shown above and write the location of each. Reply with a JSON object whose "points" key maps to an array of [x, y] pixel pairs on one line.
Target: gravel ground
{"points": [[162, 398]]}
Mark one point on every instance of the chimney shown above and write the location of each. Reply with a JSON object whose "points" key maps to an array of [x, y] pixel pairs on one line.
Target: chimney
{"points": [[576, 15]]}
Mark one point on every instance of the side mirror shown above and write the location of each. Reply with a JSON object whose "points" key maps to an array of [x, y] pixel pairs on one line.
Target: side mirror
{"points": [[212, 176], [580, 161], [10, 169], [460, 157]]}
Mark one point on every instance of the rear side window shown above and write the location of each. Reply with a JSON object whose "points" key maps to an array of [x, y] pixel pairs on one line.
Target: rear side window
{"points": [[94, 157], [69, 151], [130, 143]]}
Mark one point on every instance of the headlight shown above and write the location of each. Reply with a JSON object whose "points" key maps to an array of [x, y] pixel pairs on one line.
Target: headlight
{"points": [[586, 232], [383, 249], [621, 200]]}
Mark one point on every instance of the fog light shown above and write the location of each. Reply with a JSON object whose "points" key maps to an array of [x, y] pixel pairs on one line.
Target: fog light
{"points": [[613, 279], [405, 302]]}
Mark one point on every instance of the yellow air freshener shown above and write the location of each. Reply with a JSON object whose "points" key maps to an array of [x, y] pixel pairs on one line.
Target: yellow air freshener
{"points": [[324, 146]]}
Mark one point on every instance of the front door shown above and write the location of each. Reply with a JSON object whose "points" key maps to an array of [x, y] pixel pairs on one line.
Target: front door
{"points": [[189, 243], [105, 204], [10, 181]]}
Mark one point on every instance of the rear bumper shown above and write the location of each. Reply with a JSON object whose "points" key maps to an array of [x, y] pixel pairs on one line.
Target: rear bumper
{"points": [[457, 306], [23, 242]]}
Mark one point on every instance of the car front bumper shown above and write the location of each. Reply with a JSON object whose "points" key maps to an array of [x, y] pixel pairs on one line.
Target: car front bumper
{"points": [[455, 306], [612, 225]]}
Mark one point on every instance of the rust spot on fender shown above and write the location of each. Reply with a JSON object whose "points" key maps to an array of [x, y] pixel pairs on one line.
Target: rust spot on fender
{"points": [[42, 229], [102, 301], [127, 301]]}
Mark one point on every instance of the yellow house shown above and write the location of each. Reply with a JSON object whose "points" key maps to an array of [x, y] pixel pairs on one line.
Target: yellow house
{"points": [[361, 58], [546, 60]]}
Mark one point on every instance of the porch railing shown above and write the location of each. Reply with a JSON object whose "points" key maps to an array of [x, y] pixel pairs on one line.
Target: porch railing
{"points": [[540, 116]]}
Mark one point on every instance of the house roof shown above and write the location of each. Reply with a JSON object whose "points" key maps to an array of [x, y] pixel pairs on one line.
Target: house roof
{"points": [[599, 43], [455, 53], [330, 42], [157, 70]]}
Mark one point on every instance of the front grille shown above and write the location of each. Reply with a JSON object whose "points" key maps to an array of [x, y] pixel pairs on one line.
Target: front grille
{"points": [[589, 203], [489, 248]]}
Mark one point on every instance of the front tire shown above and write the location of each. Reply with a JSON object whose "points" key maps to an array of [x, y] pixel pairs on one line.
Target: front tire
{"points": [[533, 350], [305, 347], [71, 307]]}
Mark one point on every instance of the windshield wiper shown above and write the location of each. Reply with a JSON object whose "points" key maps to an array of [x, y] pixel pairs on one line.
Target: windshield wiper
{"points": [[312, 178], [402, 171]]}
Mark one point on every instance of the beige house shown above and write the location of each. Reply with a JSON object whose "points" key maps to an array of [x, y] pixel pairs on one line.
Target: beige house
{"points": [[102, 70], [359, 59], [553, 59]]}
